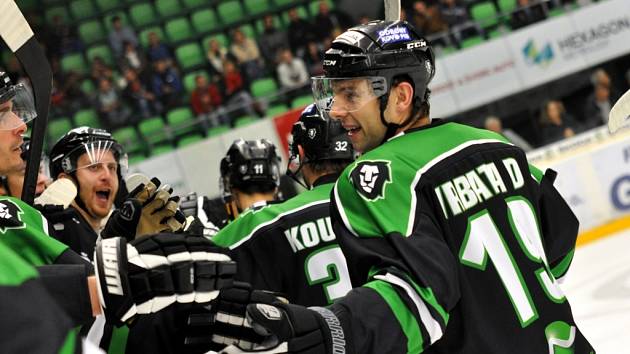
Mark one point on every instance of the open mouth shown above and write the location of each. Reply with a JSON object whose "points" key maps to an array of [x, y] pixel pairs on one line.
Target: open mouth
{"points": [[352, 130], [103, 194]]}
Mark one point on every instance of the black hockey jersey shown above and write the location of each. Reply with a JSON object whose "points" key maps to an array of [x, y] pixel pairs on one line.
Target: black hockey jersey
{"points": [[458, 243], [290, 248]]}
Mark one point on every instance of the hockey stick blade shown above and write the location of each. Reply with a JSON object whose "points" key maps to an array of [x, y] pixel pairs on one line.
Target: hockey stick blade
{"points": [[392, 10], [19, 37], [619, 116]]}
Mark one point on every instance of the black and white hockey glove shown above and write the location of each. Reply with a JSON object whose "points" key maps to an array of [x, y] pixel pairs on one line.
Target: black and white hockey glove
{"points": [[149, 274], [148, 209], [291, 328]]}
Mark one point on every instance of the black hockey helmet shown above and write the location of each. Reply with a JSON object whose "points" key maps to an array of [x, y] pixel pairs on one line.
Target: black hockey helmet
{"points": [[321, 139], [21, 103], [380, 52], [250, 162], [85, 140]]}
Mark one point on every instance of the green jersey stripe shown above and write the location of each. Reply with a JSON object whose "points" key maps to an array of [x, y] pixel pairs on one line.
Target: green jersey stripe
{"points": [[560, 269], [433, 162], [69, 345], [431, 325], [429, 297], [405, 318], [536, 173]]}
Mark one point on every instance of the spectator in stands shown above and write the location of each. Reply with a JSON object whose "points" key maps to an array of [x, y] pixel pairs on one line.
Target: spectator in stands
{"points": [[110, 107], [300, 32], [206, 100], [313, 59], [494, 124], [236, 97], [271, 41], [601, 77], [427, 19], [166, 84], [63, 37], [598, 106], [136, 93], [119, 35], [556, 123], [327, 20], [528, 12], [158, 50], [292, 72], [454, 13], [67, 97], [216, 55], [133, 58], [247, 55], [100, 70]]}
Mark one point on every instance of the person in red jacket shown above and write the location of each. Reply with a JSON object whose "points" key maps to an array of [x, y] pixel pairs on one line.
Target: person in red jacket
{"points": [[206, 102]]}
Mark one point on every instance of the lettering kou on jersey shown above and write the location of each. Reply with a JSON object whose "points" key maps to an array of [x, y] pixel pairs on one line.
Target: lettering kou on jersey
{"points": [[290, 248], [461, 242]]}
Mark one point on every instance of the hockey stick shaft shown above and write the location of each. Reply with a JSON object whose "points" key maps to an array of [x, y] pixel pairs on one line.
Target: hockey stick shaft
{"points": [[392, 10]]}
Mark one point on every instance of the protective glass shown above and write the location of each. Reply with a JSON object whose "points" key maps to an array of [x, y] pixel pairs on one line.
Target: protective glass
{"points": [[96, 152], [17, 108], [348, 94]]}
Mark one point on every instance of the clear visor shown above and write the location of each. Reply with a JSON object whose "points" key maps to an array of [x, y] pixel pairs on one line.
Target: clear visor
{"points": [[295, 162], [349, 94], [98, 156], [17, 107]]}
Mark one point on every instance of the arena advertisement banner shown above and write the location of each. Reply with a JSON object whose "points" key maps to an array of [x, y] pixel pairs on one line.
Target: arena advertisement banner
{"points": [[443, 101], [537, 54], [167, 168], [481, 74], [200, 163]]}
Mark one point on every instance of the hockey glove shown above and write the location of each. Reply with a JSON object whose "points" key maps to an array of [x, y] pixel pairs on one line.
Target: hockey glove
{"points": [[296, 329], [149, 274], [148, 209]]}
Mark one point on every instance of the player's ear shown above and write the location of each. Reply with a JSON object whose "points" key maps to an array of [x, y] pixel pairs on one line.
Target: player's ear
{"points": [[401, 99]]}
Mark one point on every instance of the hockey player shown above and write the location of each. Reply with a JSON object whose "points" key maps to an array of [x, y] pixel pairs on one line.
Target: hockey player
{"points": [[456, 240]]}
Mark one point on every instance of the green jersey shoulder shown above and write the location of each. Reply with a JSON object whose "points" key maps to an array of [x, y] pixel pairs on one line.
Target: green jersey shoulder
{"points": [[24, 230], [383, 181], [250, 222]]}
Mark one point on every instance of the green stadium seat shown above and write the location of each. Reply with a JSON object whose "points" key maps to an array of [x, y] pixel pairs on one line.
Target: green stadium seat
{"points": [[264, 87], [507, 6], [136, 158], [143, 14], [28, 5], [255, 7], [245, 120], [82, 9], [168, 8], [556, 12], [277, 110], [87, 87], [74, 62], [485, 14], [102, 51], [193, 4], [189, 139], [190, 56], [230, 11], [144, 35], [87, 117], [302, 101], [218, 130], [57, 127], [285, 2], [448, 50], [248, 31], [471, 42], [204, 20], [92, 32], [109, 5], [57, 11], [221, 38], [154, 131], [179, 29], [189, 79], [128, 137], [182, 121], [162, 149]]}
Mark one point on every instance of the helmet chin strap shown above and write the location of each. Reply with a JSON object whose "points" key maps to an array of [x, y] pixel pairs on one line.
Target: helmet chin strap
{"points": [[79, 202], [393, 127]]}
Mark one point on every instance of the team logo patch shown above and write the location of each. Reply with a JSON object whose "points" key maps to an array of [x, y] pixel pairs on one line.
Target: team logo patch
{"points": [[370, 178], [10, 216], [312, 132]]}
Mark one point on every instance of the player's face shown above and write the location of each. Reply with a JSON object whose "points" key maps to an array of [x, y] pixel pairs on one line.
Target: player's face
{"points": [[98, 183], [10, 139], [16, 182], [355, 105]]}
